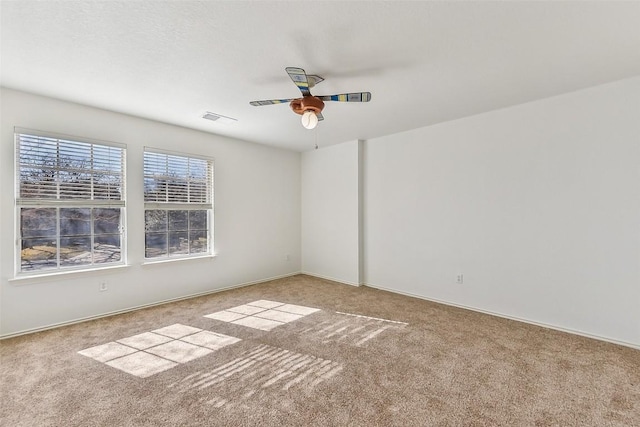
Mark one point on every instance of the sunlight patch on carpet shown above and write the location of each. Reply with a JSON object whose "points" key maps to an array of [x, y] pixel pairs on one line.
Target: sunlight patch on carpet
{"points": [[372, 318], [262, 314], [352, 329], [258, 370], [152, 352]]}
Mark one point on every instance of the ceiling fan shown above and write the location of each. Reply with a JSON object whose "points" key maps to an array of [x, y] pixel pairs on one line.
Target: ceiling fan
{"points": [[309, 106]]}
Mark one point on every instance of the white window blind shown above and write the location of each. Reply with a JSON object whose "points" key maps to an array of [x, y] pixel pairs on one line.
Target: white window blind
{"points": [[51, 168], [171, 178]]}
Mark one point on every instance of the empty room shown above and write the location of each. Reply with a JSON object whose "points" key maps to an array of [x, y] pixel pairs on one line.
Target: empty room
{"points": [[319, 213]]}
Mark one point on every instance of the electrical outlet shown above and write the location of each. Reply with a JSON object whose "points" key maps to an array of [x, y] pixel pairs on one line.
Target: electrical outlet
{"points": [[460, 279], [103, 286]]}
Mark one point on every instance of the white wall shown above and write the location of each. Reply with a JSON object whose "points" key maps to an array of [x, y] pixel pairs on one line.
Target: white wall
{"points": [[330, 213], [537, 205], [257, 217]]}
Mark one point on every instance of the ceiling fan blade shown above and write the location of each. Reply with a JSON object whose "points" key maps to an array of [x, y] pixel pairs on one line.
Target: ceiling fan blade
{"points": [[314, 79], [299, 77], [348, 97], [320, 117], [270, 102]]}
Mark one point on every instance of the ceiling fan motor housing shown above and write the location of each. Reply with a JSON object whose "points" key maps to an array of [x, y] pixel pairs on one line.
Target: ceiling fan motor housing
{"points": [[307, 103]]}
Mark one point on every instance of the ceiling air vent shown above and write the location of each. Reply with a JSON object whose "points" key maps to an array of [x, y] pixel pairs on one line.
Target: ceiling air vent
{"points": [[219, 118]]}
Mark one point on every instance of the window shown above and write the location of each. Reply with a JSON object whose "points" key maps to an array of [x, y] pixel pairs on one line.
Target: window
{"points": [[70, 202], [178, 205]]}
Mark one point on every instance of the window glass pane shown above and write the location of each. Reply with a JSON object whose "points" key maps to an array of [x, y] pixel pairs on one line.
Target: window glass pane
{"points": [[178, 220], [178, 242], [75, 251], [106, 248], [106, 220], [38, 254], [155, 245], [155, 220], [198, 242], [38, 222], [75, 221], [198, 220]]}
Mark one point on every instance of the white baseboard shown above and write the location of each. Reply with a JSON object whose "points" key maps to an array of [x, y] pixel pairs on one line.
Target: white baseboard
{"points": [[504, 316], [138, 307], [330, 278]]}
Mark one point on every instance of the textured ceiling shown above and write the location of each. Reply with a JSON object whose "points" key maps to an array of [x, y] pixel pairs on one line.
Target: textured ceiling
{"points": [[423, 62]]}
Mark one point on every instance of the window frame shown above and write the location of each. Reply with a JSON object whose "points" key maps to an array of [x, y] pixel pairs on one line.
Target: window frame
{"points": [[168, 206], [58, 203]]}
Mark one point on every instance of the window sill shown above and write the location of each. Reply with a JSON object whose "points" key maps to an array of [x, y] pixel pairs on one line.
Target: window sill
{"points": [[34, 278], [172, 260]]}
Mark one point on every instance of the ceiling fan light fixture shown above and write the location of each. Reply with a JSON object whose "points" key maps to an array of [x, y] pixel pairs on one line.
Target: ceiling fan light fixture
{"points": [[309, 119], [309, 106]]}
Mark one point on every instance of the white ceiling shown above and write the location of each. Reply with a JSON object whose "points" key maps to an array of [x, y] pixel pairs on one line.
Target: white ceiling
{"points": [[424, 62]]}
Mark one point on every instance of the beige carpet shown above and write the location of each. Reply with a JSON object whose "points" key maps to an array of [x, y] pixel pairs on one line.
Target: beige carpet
{"points": [[265, 357]]}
